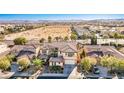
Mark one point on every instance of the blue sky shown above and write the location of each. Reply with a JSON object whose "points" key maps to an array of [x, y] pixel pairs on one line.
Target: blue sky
{"points": [[59, 16]]}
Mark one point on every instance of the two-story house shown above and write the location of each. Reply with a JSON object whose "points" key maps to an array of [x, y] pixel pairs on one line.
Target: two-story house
{"points": [[60, 53]]}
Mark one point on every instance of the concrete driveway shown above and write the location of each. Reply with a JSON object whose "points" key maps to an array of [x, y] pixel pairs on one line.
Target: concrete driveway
{"points": [[103, 71]]}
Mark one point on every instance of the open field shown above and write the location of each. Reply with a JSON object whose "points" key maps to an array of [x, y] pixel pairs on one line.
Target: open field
{"points": [[43, 32]]}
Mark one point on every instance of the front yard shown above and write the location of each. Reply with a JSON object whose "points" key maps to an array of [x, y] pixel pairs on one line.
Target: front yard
{"points": [[55, 69]]}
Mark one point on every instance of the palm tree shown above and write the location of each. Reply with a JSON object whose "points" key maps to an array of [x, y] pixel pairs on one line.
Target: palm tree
{"points": [[38, 63]]}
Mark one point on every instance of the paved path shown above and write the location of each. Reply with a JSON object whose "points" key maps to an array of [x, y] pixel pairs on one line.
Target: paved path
{"points": [[103, 71], [35, 75]]}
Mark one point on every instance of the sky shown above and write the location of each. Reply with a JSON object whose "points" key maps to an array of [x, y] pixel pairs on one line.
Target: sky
{"points": [[36, 17]]}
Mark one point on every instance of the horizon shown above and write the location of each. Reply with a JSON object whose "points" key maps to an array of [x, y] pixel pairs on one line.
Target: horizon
{"points": [[54, 17]]}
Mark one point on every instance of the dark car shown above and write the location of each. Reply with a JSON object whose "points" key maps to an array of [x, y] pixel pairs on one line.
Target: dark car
{"points": [[96, 70]]}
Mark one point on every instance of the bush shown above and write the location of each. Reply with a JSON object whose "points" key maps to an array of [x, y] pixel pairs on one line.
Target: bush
{"points": [[24, 62], [42, 40], [56, 69], [4, 63], [87, 63], [11, 57], [49, 39], [73, 36], [38, 63], [66, 38], [20, 41], [113, 63]]}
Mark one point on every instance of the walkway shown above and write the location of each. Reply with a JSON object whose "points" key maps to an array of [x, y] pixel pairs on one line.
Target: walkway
{"points": [[74, 74], [6, 75]]}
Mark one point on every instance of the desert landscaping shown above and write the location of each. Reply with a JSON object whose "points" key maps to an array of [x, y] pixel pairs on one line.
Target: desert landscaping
{"points": [[43, 32]]}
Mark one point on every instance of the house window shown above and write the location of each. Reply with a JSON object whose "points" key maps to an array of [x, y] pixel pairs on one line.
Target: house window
{"points": [[70, 54], [44, 51], [66, 54]]}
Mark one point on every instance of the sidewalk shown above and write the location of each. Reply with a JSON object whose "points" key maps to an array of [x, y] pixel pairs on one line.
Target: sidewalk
{"points": [[74, 74], [6, 75]]}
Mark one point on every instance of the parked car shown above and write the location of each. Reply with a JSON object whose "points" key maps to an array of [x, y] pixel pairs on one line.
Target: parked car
{"points": [[20, 69], [96, 70]]}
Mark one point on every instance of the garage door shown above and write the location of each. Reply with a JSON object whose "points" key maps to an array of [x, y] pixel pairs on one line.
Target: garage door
{"points": [[70, 61]]}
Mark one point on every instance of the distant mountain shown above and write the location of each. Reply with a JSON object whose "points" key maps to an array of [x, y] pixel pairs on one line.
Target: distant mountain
{"points": [[49, 21]]}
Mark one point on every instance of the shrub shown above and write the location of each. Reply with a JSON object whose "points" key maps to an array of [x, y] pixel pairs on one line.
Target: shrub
{"points": [[42, 40], [24, 62], [38, 62], [20, 41], [4, 63], [49, 39]]}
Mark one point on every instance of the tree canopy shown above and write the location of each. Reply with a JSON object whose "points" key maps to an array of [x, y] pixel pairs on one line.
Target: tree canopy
{"points": [[73, 36], [87, 63]]}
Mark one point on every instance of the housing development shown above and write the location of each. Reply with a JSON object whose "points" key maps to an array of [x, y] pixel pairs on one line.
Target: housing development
{"points": [[62, 49]]}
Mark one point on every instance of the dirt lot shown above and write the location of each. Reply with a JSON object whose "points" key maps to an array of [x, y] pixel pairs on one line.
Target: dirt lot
{"points": [[43, 32]]}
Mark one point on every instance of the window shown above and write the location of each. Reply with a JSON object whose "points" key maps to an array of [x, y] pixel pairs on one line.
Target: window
{"points": [[70, 54], [44, 51]]}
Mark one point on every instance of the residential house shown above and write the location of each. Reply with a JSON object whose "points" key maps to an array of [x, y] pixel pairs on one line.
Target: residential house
{"points": [[56, 61], [29, 51], [63, 53]]}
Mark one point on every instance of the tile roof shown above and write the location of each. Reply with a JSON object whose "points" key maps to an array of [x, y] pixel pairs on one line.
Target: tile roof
{"points": [[56, 59]]}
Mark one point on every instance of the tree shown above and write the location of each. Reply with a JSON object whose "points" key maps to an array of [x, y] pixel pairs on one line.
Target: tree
{"points": [[113, 62], [20, 41], [73, 36], [83, 53], [49, 39], [38, 63], [104, 61], [94, 40], [57, 39], [4, 63], [24, 62], [66, 38], [86, 65], [11, 57], [120, 66], [84, 36], [110, 62], [116, 35], [42, 40]]}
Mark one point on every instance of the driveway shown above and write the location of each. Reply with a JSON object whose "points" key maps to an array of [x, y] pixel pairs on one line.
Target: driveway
{"points": [[103, 71], [68, 68]]}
